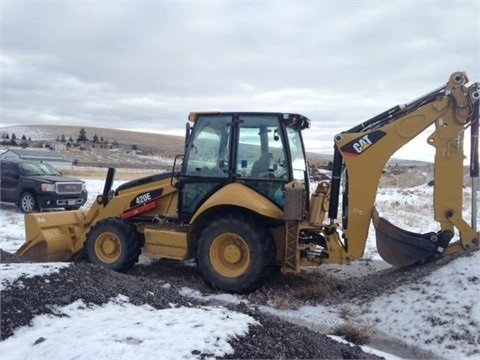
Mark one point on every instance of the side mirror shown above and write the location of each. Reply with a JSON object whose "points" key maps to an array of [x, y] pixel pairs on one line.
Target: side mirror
{"points": [[188, 130], [173, 180]]}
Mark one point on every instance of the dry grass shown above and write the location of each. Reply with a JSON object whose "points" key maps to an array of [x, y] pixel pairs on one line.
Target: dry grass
{"points": [[412, 177], [307, 288], [407, 178], [353, 332]]}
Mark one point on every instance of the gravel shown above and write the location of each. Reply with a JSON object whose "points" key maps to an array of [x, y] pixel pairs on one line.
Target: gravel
{"points": [[274, 339]]}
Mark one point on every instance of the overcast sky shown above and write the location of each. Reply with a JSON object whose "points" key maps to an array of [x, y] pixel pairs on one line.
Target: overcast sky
{"points": [[144, 65]]}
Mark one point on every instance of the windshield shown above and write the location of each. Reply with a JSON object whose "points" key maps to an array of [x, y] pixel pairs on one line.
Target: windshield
{"points": [[32, 169]]}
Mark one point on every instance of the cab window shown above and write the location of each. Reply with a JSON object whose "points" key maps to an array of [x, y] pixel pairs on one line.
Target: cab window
{"points": [[261, 159], [299, 164], [261, 152], [208, 151]]}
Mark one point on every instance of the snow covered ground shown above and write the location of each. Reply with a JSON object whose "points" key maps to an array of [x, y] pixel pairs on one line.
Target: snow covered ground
{"points": [[440, 315]]}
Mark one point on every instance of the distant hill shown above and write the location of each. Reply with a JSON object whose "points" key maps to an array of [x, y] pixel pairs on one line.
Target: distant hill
{"points": [[169, 145]]}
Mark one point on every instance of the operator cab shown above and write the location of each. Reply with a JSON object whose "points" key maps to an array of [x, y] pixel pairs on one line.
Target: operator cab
{"points": [[263, 151]]}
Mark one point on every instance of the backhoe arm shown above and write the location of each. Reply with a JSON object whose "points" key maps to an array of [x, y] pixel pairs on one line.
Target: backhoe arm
{"points": [[363, 152]]}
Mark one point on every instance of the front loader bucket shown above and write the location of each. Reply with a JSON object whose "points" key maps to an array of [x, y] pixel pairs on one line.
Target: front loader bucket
{"points": [[53, 236], [399, 247]]}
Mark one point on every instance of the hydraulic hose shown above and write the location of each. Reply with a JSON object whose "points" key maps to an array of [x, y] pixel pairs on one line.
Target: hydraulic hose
{"points": [[474, 127], [335, 189]]}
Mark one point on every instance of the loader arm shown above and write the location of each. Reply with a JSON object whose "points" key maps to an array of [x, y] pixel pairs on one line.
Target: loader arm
{"points": [[362, 153]]}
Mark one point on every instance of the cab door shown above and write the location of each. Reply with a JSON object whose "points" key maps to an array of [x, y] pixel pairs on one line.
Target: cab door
{"points": [[9, 183], [261, 154], [206, 166]]}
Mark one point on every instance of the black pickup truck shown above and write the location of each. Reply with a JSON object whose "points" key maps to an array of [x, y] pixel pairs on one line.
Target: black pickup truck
{"points": [[37, 186]]}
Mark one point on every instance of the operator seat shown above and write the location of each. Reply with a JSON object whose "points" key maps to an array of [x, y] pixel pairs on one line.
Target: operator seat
{"points": [[261, 165]]}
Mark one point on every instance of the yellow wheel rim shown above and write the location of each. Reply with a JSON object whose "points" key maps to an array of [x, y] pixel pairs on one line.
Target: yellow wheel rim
{"points": [[108, 248], [230, 255]]}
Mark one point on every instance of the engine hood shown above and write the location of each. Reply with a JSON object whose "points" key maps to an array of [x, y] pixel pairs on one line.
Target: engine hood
{"points": [[53, 179]]}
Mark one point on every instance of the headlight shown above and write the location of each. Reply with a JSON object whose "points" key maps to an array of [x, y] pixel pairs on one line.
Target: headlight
{"points": [[48, 187], [84, 187]]}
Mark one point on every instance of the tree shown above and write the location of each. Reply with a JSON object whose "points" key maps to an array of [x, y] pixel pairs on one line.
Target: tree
{"points": [[70, 140], [62, 138], [14, 137], [134, 147], [24, 142], [95, 139], [82, 135]]}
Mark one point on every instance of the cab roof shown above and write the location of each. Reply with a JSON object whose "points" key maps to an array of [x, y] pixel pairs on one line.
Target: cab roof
{"points": [[295, 120]]}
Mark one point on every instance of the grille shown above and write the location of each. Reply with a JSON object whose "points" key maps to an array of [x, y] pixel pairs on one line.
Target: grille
{"points": [[69, 188]]}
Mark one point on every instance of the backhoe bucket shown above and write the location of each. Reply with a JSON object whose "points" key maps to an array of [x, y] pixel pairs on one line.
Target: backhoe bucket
{"points": [[399, 247], [53, 236]]}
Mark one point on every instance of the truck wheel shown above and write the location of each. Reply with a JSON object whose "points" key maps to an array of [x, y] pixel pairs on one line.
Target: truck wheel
{"points": [[69, 208], [27, 202], [235, 254], [113, 244]]}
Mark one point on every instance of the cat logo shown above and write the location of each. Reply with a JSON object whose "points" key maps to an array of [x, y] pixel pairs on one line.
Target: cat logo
{"points": [[361, 144]]}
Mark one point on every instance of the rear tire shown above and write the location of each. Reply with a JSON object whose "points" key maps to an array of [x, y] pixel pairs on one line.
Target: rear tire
{"points": [[235, 254], [113, 244], [27, 202]]}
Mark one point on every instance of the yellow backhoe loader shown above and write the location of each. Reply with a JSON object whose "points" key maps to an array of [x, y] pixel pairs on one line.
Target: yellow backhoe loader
{"points": [[239, 203]]}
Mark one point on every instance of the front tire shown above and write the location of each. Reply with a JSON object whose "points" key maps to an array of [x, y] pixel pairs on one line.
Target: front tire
{"points": [[113, 244], [27, 202], [235, 254]]}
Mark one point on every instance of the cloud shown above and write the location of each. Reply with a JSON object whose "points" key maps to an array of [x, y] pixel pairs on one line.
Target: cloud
{"points": [[145, 65]]}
